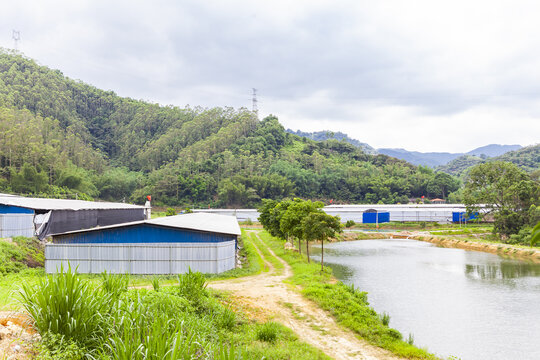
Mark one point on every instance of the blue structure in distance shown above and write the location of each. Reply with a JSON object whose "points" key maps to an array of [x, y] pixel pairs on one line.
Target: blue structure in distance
{"points": [[375, 217], [462, 217], [10, 209]]}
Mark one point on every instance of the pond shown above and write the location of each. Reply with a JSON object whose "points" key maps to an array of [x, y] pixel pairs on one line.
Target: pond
{"points": [[467, 304]]}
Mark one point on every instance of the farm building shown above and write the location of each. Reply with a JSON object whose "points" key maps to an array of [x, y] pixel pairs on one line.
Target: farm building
{"points": [[169, 245], [441, 213], [22, 216], [372, 216]]}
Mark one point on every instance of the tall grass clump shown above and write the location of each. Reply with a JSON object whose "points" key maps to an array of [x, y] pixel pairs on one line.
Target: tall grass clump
{"points": [[64, 305], [114, 284], [192, 285], [385, 318], [268, 332], [155, 283]]}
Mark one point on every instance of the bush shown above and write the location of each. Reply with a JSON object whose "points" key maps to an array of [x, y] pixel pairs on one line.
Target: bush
{"points": [[350, 223], [170, 212], [56, 347], [385, 318]]}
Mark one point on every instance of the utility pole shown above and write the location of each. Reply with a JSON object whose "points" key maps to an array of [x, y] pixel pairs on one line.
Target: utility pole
{"points": [[16, 36], [254, 102]]}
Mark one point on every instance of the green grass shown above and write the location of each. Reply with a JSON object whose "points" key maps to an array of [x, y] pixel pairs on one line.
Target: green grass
{"points": [[348, 305], [77, 315], [278, 265]]}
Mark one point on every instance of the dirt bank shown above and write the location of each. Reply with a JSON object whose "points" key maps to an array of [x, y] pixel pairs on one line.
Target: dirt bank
{"points": [[530, 254]]}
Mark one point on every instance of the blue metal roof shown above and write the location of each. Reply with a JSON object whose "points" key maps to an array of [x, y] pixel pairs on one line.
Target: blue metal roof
{"points": [[9, 209], [140, 232]]}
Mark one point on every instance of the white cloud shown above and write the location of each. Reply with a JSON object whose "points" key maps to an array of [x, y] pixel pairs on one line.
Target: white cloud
{"points": [[422, 75]]}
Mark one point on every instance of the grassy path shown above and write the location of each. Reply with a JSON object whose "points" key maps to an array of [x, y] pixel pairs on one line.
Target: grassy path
{"points": [[283, 303]]}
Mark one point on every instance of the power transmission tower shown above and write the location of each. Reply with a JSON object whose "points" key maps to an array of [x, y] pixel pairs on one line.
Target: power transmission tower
{"points": [[16, 35], [254, 102]]}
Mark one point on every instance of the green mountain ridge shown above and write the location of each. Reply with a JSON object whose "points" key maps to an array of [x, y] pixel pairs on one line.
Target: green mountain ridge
{"points": [[108, 147], [528, 158]]}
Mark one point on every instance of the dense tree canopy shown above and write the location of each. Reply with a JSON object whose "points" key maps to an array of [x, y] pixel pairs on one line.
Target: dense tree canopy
{"points": [[507, 191]]}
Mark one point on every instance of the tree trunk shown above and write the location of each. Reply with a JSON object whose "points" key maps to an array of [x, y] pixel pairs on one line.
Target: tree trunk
{"points": [[307, 250], [299, 247], [322, 254]]}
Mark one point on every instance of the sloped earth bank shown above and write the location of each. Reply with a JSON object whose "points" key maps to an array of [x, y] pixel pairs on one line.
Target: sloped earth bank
{"points": [[269, 295], [523, 253]]}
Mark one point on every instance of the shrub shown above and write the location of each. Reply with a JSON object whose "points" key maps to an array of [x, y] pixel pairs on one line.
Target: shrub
{"points": [[54, 346], [385, 318], [350, 223], [170, 212]]}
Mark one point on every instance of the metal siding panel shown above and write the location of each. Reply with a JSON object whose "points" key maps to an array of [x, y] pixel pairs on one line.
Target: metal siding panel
{"points": [[139, 258], [17, 224]]}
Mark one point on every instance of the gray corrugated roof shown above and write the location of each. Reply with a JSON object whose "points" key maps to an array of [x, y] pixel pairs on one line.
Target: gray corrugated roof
{"points": [[61, 204], [223, 224]]}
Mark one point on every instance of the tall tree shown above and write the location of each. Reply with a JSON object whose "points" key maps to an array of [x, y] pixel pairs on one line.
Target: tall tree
{"points": [[320, 226], [505, 190], [291, 222]]}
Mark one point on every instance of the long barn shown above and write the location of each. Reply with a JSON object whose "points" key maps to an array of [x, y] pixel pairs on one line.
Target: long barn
{"points": [[23, 216], [169, 245]]}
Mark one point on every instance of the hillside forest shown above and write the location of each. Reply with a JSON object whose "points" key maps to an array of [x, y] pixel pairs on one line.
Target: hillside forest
{"points": [[60, 137]]}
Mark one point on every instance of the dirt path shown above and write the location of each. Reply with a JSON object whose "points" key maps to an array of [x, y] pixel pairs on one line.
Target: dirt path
{"points": [[313, 325]]}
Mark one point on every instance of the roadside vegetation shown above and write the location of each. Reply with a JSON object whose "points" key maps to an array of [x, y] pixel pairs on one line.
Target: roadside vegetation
{"points": [[78, 318]]}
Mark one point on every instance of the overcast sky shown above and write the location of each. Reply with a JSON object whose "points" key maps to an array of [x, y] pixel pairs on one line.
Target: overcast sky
{"points": [[420, 75]]}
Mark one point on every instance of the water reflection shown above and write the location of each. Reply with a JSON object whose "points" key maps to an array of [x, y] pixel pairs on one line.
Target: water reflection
{"points": [[501, 271]]}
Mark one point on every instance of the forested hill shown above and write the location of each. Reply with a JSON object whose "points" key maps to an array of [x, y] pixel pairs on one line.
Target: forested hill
{"points": [[329, 135], [60, 136], [528, 158]]}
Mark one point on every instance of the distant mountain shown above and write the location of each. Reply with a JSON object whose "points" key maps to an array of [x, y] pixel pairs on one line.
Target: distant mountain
{"points": [[493, 150], [434, 159], [527, 158], [431, 159], [327, 135]]}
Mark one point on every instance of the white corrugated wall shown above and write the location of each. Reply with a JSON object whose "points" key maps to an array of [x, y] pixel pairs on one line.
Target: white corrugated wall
{"points": [[16, 225], [147, 258]]}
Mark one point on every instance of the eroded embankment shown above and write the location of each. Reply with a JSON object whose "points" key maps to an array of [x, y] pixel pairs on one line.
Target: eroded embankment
{"points": [[529, 254]]}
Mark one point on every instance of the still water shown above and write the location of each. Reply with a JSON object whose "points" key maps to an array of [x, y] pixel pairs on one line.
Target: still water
{"points": [[467, 304]]}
